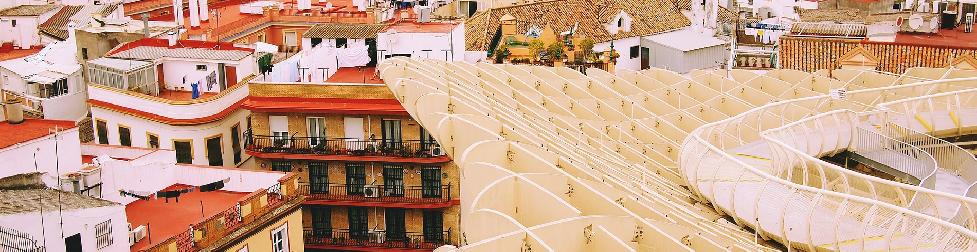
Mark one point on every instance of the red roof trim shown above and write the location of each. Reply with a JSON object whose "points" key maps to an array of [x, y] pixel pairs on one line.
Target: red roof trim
{"points": [[171, 121], [325, 105], [159, 42], [430, 160]]}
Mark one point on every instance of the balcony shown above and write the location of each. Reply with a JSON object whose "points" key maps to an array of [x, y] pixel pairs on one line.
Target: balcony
{"points": [[314, 148], [344, 239], [255, 211], [377, 195]]}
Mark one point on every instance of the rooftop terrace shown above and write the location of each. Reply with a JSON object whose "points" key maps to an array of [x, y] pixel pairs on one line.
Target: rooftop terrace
{"points": [[189, 208]]}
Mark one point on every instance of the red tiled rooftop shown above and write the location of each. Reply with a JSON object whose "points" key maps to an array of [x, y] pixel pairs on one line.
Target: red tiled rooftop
{"points": [[955, 38], [355, 75], [229, 14], [415, 27], [166, 219], [160, 42], [17, 53], [30, 129], [87, 159], [325, 105]]}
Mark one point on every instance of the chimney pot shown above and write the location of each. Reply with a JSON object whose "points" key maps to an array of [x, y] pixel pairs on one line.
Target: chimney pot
{"points": [[14, 112], [171, 37]]}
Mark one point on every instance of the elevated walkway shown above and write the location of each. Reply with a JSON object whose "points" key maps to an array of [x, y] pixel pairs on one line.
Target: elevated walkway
{"points": [[556, 160]]}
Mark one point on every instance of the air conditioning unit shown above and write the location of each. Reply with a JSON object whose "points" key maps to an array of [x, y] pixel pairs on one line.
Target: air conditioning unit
{"points": [[437, 151], [307, 14], [137, 234], [371, 191], [376, 237]]}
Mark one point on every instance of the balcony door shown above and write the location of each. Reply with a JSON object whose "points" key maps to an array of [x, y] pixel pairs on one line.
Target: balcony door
{"points": [[391, 134], [321, 221], [396, 228], [354, 133], [318, 177], [317, 131], [279, 130], [433, 226], [357, 223], [393, 180], [215, 155], [427, 141], [355, 178], [431, 182]]}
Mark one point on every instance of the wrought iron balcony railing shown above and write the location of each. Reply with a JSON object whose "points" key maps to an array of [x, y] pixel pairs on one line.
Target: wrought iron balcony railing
{"points": [[377, 193], [354, 147], [375, 238]]}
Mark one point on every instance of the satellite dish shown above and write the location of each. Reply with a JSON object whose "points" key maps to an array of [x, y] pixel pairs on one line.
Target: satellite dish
{"points": [[934, 23], [915, 21]]}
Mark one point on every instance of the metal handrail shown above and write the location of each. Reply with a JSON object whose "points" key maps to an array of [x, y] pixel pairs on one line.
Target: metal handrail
{"points": [[387, 193], [375, 238], [342, 146]]}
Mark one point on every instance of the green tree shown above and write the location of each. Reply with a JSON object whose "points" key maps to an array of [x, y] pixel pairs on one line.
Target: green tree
{"points": [[536, 46], [587, 47], [555, 51]]}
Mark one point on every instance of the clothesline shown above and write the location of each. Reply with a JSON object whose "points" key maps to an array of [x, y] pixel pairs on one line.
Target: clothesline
{"points": [[143, 195]]}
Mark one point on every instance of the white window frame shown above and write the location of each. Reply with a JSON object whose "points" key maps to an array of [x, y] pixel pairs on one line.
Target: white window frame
{"points": [[318, 132], [278, 128], [282, 233], [294, 38]]}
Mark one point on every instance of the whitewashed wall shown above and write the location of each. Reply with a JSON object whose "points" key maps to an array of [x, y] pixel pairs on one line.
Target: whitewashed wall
{"points": [[49, 227], [443, 46], [54, 152], [138, 127], [622, 47]]}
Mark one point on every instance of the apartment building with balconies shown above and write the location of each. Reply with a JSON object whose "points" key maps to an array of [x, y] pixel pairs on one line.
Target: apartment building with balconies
{"points": [[183, 95], [372, 176]]}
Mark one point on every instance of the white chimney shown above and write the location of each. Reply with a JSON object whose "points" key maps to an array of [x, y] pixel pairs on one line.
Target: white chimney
{"points": [[204, 10], [194, 13], [71, 30], [171, 37], [14, 112], [305, 4], [178, 12]]}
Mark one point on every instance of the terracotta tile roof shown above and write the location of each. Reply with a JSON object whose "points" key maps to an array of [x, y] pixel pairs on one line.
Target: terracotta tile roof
{"points": [[55, 26], [415, 27], [812, 54], [848, 16], [28, 10], [155, 48], [340, 30], [827, 29], [108, 9], [30, 129], [650, 17], [32, 200]]}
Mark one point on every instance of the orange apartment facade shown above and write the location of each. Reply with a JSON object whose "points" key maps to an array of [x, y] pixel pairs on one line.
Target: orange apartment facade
{"points": [[372, 177]]}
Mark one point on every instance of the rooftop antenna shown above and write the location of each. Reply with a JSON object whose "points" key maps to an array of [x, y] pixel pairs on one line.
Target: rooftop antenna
{"points": [[145, 24]]}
